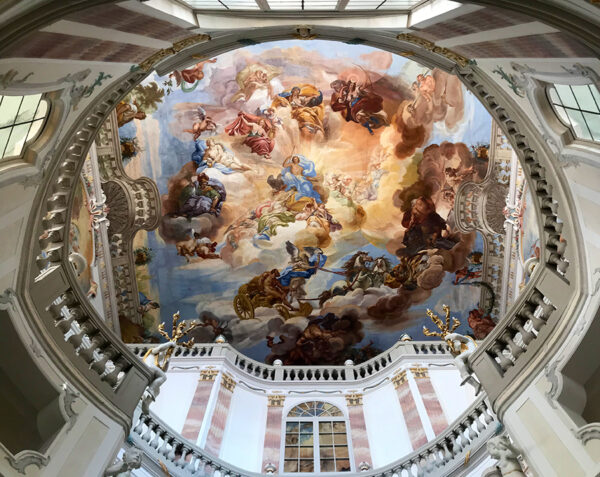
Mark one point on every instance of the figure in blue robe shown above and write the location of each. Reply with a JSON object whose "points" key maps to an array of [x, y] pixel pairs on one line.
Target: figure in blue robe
{"points": [[316, 260], [201, 164], [296, 173]]}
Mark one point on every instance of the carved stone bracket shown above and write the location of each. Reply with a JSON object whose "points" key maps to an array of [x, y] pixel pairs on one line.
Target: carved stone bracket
{"points": [[133, 205], [25, 458]]}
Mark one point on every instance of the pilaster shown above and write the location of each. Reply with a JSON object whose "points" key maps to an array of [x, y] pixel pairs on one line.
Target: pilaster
{"points": [[197, 411], [432, 404], [272, 447], [220, 414], [358, 432], [414, 425]]}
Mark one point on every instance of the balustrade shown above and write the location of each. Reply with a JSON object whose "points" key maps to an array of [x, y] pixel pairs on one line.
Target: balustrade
{"points": [[447, 451], [319, 374]]}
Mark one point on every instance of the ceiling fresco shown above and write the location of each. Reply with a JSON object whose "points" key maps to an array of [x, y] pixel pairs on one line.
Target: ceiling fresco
{"points": [[307, 199]]}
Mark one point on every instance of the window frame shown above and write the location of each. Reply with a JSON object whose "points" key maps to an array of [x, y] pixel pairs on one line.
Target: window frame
{"points": [[549, 87], [39, 133], [315, 420]]}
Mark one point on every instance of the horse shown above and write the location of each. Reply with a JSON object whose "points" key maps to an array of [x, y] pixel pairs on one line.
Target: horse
{"points": [[357, 273]]}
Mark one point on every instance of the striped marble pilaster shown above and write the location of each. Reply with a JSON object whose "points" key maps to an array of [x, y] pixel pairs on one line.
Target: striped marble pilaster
{"points": [[219, 417], [358, 432], [416, 431], [272, 447], [197, 411], [430, 400]]}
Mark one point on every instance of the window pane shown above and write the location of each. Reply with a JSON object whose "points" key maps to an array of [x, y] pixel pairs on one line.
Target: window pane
{"points": [[562, 115], [9, 109], [35, 128], [584, 97], [306, 439], [291, 439], [554, 99], [306, 452], [341, 452], [324, 426], [566, 96], [16, 140], [306, 427], [578, 124], [595, 94], [28, 107], [291, 453], [307, 466], [339, 427], [340, 439], [343, 465], [290, 466], [326, 439], [42, 109], [291, 427], [327, 465], [593, 122], [326, 452], [4, 133]]}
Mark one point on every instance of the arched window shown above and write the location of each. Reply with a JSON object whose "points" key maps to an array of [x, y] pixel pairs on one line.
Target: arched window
{"points": [[21, 120], [578, 107], [316, 439]]}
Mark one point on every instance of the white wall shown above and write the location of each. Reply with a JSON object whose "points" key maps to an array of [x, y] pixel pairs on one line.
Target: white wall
{"points": [[386, 429], [453, 397], [245, 430], [175, 398]]}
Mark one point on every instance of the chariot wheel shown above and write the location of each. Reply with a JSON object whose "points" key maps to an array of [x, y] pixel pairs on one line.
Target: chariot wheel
{"points": [[243, 307], [283, 311]]}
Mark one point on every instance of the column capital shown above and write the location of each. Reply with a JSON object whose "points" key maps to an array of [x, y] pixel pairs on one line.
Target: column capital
{"points": [[354, 399], [208, 374], [399, 378], [228, 382], [275, 400], [419, 372]]}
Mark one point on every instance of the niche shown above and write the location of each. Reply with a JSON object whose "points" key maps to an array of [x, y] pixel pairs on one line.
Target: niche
{"points": [[29, 404]]}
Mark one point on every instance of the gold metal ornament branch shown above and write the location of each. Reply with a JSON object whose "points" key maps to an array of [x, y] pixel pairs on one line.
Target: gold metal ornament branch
{"points": [[444, 326], [431, 46], [179, 331]]}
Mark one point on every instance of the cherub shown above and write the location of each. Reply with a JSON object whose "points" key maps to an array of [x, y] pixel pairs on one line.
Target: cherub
{"points": [[204, 123], [191, 75]]}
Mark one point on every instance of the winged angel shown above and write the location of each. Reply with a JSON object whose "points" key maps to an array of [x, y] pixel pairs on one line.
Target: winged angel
{"points": [[252, 78]]}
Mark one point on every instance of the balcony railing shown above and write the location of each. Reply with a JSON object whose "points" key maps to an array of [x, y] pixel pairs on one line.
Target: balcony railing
{"points": [[355, 372], [448, 451]]}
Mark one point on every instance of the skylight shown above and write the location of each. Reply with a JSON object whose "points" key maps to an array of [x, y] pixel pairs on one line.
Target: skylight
{"points": [[303, 5]]}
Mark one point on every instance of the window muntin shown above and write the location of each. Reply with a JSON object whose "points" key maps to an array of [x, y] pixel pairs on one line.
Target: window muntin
{"points": [[316, 439], [21, 120], [578, 107]]}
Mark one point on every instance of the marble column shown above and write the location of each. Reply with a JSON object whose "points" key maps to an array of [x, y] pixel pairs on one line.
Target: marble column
{"points": [[219, 417], [197, 411], [414, 425], [358, 432], [272, 447], [430, 400]]}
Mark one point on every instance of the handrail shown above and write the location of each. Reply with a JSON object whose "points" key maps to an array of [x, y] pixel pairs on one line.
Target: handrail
{"points": [[545, 312], [321, 373], [467, 434], [84, 348]]}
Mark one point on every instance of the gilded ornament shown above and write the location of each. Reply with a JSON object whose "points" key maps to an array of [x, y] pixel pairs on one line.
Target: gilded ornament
{"points": [[431, 46]]}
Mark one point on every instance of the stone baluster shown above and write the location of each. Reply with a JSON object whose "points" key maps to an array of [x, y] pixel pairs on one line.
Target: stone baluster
{"points": [[514, 349], [526, 336], [537, 322], [155, 441], [504, 362]]}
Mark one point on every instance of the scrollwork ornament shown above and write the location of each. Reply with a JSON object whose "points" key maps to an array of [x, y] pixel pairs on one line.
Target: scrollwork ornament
{"points": [[7, 299], [68, 398], [25, 458]]}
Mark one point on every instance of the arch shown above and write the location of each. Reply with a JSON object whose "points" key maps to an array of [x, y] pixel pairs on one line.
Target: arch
{"points": [[315, 409]]}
